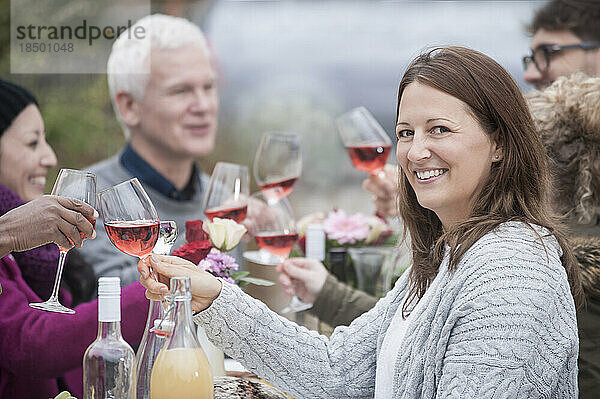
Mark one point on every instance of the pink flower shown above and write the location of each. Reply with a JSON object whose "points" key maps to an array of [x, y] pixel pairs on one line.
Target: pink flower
{"points": [[346, 229], [220, 265]]}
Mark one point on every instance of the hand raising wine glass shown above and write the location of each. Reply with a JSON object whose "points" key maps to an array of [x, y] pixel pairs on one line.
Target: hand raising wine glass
{"points": [[275, 232], [130, 219], [227, 194], [73, 184], [278, 162], [367, 143]]}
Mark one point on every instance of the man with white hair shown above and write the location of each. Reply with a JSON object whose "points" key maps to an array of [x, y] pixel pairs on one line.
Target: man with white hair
{"points": [[164, 93]]}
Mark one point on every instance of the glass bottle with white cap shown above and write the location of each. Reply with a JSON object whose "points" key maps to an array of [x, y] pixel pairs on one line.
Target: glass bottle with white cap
{"points": [[109, 362]]}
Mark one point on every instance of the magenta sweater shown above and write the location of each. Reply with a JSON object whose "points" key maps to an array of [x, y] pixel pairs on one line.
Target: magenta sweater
{"points": [[37, 347]]}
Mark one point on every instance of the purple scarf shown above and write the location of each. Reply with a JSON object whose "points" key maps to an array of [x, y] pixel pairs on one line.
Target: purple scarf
{"points": [[38, 265]]}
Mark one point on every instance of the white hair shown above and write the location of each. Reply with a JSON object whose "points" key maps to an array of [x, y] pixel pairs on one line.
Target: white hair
{"points": [[128, 66]]}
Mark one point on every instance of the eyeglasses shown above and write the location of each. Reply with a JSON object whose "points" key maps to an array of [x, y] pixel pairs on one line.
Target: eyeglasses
{"points": [[541, 55]]}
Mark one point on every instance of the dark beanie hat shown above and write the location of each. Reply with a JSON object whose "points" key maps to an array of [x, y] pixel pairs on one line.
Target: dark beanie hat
{"points": [[13, 100]]}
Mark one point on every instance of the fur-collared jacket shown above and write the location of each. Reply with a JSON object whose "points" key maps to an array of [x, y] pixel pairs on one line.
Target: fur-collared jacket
{"points": [[567, 114], [587, 251]]}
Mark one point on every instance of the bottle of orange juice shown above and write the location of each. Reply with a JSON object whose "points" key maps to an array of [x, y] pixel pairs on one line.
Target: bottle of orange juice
{"points": [[181, 369]]}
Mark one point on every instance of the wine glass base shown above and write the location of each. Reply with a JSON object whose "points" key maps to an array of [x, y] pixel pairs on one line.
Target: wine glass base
{"points": [[296, 305], [52, 306]]}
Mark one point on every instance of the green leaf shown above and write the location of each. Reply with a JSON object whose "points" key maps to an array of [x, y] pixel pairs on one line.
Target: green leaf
{"points": [[257, 281], [391, 241], [239, 275]]}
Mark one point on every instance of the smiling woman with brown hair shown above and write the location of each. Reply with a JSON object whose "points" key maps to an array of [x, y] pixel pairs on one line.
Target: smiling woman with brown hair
{"points": [[486, 310]]}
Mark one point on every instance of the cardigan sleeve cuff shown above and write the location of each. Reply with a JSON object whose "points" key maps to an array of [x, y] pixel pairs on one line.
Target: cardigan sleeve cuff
{"points": [[220, 305]]}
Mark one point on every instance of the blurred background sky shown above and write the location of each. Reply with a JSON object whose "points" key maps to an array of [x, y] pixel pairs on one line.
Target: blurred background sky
{"points": [[293, 66]]}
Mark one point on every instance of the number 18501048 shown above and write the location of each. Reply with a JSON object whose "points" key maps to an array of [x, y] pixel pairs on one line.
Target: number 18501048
{"points": [[46, 47]]}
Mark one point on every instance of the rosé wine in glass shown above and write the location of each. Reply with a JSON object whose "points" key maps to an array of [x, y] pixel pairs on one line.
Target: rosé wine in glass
{"points": [[286, 185], [367, 143], [135, 237], [227, 194], [278, 162], [278, 244], [369, 158], [130, 219], [235, 213]]}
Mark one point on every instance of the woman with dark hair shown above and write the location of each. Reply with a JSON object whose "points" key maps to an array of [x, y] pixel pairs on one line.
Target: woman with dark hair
{"points": [[488, 307], [41, 352]]}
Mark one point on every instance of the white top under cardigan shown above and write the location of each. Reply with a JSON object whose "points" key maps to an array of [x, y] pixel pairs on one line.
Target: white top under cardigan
{"points": [[502, 325], [393, 339]]}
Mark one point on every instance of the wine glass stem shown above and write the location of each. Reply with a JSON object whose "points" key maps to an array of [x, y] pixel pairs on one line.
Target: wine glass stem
{"points": [[379, 173], [61, 265], [152, 274]]}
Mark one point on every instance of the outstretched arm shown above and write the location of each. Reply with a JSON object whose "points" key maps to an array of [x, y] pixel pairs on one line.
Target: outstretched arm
{"points": [[47, 219]]}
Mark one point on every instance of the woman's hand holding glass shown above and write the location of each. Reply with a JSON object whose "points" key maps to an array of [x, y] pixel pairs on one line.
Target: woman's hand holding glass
{"points": [[81, 186], [384, 188], [65, 220], [275, 233], [303, 277], [205, 287]]}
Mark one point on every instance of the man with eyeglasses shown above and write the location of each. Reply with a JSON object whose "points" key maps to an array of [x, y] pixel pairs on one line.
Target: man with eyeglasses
{"points": [[566, 39]]}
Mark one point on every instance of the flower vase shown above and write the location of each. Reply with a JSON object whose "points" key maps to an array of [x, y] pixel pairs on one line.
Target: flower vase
{"points": [[368, 263], [336, 260], [215, 356]]}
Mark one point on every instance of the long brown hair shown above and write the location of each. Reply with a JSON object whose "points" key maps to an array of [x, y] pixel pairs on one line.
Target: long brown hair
{"points": [[517, 187]]}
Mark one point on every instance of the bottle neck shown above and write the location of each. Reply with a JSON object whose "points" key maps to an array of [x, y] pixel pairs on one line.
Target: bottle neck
{"points": [[184, 329], [183, 314], [110, 329]]}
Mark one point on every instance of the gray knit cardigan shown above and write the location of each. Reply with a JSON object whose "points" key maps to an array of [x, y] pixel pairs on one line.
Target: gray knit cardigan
{"points": [[501, 326]]}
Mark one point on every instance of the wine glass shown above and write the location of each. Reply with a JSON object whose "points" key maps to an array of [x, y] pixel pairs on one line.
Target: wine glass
{"points": [[278, 162], [367, 143], [275, 232], [227, 194], [73, 184], [130, 219]]}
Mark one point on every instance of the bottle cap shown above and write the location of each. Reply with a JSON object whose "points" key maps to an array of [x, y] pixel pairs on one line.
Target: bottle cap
{"points": [[109, 287], [315, 241], [109, 299]]}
